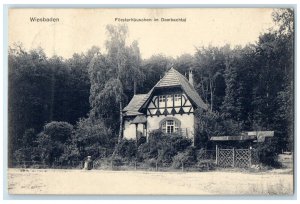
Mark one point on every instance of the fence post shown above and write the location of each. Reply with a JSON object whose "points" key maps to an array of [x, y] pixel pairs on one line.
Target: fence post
{"points": [[233, 157], [182, 166], [156, 166], [217, 154], [135, 165]]}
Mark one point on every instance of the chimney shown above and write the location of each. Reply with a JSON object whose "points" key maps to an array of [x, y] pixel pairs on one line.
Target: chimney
{"points": [[191, 80]]}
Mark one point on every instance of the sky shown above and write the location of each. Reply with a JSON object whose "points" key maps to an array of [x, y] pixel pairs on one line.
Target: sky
{"points": [[80, 29]]}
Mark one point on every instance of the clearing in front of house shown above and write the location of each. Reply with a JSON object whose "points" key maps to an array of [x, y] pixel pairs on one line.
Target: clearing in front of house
{"points": [[59, 181]]}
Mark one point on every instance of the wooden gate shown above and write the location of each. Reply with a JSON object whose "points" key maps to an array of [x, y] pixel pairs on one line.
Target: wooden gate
{"points": [[225, 157], [233, 157], [242, 158]]}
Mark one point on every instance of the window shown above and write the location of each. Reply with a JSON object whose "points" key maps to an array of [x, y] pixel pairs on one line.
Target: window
{"points": [[162, 99], [170, 126], [170, 98], [177, 99]]}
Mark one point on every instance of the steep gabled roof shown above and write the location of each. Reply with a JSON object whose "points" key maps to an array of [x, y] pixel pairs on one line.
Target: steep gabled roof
{"points": [[134, 105], [171, 79], [174, 78]]}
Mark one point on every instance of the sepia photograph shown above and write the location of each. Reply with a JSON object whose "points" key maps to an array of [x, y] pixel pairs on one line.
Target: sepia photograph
{"points": [[151, 101]]}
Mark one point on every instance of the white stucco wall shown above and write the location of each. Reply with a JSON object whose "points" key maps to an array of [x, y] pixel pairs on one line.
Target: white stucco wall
{"points": [[187, 121], [153, 122], [130, 129]]}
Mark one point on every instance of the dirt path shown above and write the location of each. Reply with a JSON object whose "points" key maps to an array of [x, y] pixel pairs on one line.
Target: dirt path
{"points": [[38, 181]]}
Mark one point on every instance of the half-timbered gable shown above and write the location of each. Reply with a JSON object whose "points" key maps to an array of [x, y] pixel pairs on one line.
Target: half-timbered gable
{"points": [[168, 106]]}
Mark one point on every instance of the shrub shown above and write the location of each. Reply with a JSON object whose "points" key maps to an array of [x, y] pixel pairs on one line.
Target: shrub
{"points": [[142, 140], [127, 149], [19, 156], [266, 153], [91, 137], [27, 143], [187, 158], [117, 161], [180, 143], [151, 162], [28, 138], [162, 147], [58, 131], [45, 148], [212, 123], [206, 165], [143, 152], [71, 153]]}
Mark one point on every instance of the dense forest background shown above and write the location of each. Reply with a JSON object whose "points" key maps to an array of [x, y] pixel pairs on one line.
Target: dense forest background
{"points": [[62, 109]]}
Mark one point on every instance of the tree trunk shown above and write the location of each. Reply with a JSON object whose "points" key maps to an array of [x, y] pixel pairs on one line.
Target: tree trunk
{"points": [[134, 87], [211, 95], [52, 95], [121, 123], [204, 92], [120, 130]]}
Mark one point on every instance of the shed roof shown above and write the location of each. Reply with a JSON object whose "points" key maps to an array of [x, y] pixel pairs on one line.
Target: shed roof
{"points": [[258, 136], [233, 138]]}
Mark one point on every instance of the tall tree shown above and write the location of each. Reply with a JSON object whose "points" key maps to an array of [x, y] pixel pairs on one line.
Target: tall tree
{"points": [[209, 70], [113, 77], [154, 69]]}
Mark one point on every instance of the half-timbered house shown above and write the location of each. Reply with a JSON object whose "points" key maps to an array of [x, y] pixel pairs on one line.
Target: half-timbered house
{"points": [[168, 106]]}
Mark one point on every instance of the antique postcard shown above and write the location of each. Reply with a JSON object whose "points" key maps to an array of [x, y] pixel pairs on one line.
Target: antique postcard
{"points": [[151, 101]]}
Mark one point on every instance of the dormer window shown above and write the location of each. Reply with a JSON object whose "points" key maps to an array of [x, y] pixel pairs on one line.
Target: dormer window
{"points": [[177, 97], [162, 99], [170, 98]]}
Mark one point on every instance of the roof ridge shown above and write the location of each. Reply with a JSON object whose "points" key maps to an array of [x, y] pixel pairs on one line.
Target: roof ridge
{"points": [[182, 75], [165, 75], [176, 74]]}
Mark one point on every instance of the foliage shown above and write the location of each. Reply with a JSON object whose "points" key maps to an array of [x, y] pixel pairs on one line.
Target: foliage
{"points": [[58, 131], [28, 138], [71, 152], [212, 124], [113, 75], [267, 153], [51, 142], [92, 137], [162, 147], [284, 18], [117, 161], [209, 65], [154, 69], [127, 149], [186, 158], [43, 89], [151, 162], [206, 165]]}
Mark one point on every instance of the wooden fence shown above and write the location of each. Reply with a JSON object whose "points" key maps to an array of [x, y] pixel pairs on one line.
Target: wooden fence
{"points": [[54, 165], [241, 158]]}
